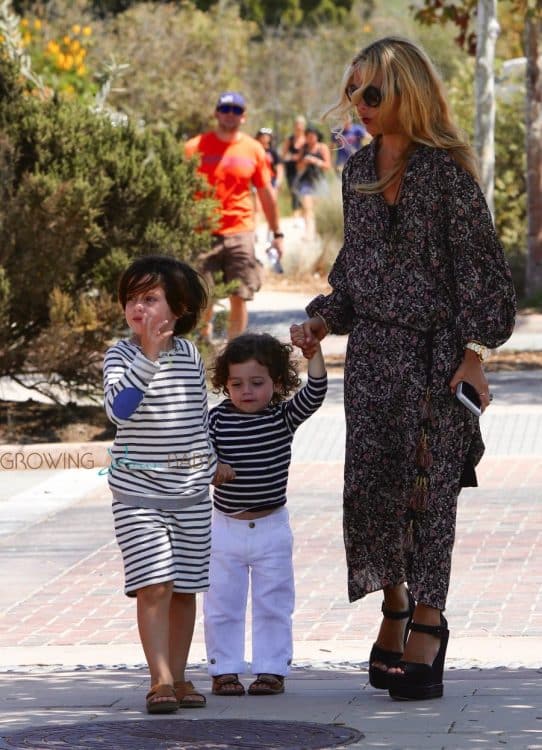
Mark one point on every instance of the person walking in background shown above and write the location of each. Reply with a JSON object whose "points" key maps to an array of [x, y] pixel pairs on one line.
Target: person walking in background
{"points": [[290, 154], [422, 287], [314, 161], [252, 431], [232, 162], [162, 464], [347, 140], [265, 137]]}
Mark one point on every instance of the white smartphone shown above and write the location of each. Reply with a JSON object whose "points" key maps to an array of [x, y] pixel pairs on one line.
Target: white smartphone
{"points": [[468, 395]]}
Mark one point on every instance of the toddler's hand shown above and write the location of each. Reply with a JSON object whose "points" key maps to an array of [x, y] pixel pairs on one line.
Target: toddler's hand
{"points": [[224, 473], [302, 337]]}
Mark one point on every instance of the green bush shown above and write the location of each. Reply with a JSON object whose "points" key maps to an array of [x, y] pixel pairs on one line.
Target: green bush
{"points": [[80, 198]]}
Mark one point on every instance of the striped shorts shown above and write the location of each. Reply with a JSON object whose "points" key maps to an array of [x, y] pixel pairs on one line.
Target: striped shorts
{"points": [[160, 546]]}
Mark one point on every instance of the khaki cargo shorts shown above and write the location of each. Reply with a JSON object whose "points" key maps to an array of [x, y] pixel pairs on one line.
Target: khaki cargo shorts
{"points": [[234, 256]]}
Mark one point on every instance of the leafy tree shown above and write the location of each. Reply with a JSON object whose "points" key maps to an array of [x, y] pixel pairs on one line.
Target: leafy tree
{"points": [[80, 198], [179, 60], [525, 17], [510, 165], [263, 12], [104, 8], [289, 12]]}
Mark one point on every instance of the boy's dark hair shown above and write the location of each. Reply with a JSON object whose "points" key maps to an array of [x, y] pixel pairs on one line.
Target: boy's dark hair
{"points": [[186, 291], [268, 352]]}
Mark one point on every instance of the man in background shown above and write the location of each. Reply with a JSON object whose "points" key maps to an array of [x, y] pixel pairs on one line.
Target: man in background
{"points": [[232, 162]]}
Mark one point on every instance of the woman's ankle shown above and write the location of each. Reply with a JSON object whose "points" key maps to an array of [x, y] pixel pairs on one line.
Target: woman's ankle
{"points": [[396, 598], [423, 647], [425, 615], [161, 679]]}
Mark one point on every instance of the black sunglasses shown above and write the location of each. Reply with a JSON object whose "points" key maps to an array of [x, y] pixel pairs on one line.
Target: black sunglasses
{"points": [[371, 95], [225, 109]]}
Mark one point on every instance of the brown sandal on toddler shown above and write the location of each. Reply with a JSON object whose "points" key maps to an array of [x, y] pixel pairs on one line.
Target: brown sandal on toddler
{"points": [[267, 684], [227, 684]]}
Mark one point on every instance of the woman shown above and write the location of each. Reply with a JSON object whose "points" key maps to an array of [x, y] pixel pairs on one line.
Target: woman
{"points": [[290, 153], [315, 159], [422, 287]]}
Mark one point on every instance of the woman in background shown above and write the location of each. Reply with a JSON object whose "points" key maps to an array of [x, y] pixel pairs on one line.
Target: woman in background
{"points": [[314, 161], [290, 154]]}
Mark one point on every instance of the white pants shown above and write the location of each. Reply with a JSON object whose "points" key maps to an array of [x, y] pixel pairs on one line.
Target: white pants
{"points": [[261, 548]]}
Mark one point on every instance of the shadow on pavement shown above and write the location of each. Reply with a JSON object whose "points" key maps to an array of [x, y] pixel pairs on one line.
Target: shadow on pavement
{"points": [[485, 708]]}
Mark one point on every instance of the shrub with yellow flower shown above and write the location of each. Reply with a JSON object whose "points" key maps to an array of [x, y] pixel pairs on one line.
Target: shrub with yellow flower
{"points": [[59, 59]]}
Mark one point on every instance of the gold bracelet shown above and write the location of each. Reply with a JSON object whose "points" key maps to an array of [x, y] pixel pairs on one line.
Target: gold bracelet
{"points": [[482, 351]]}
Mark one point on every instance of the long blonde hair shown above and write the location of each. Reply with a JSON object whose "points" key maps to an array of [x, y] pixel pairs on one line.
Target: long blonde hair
{"points": [[424, 113]]}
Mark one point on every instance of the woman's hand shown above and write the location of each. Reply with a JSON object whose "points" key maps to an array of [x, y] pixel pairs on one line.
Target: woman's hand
{"points": [[307, 335], [472, 372]]}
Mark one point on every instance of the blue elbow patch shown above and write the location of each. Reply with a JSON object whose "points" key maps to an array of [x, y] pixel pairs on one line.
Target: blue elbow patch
{"points": [[125, 404]]}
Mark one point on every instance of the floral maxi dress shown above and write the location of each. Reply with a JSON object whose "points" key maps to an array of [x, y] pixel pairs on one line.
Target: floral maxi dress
{"points": [[412, 284]]}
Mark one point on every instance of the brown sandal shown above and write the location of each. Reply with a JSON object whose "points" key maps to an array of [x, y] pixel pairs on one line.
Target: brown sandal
{"points": [[267, 684], [227, 684], [155, 706], [188, 696]]}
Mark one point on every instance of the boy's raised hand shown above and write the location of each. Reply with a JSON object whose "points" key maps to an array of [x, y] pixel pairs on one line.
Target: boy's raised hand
{"points": [[154, 336]]}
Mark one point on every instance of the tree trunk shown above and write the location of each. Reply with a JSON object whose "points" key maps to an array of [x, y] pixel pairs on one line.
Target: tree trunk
{"points": [[533, 45], [487, 32]]}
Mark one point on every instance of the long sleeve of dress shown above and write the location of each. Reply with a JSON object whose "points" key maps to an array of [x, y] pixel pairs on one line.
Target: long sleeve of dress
{"points": [[486, 303]]}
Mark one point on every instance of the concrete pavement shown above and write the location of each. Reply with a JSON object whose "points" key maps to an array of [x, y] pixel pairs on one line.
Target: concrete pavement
{"points": [[72, 672]]}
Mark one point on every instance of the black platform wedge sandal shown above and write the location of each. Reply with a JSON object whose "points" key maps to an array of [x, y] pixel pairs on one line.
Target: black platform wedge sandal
{"points": [[378, 678], [421, 681]]}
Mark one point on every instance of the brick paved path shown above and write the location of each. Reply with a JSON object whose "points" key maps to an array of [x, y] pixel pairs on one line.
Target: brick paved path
{"points": [[69, 573]]}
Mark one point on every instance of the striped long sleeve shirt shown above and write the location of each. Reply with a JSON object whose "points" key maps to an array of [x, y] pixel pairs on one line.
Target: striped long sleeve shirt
{"points": [[259, 448], [162, 456]]}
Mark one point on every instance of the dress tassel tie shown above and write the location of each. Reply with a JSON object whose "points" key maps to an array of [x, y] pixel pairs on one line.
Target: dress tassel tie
{"points": [[419, 496]]}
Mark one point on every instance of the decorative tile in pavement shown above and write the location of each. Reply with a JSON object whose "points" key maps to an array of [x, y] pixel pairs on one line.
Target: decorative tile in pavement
{"points": [[183, 734]]}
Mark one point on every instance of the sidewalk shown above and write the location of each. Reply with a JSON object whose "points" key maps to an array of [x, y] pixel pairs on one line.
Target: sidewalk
{"points": [[72, 672]]}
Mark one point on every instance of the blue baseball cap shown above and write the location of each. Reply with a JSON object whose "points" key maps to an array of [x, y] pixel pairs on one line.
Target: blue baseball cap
{"points": [[231, 97]]}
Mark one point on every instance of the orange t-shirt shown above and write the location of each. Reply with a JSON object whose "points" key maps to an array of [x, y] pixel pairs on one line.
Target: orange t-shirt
{"points": [[231, 169]]}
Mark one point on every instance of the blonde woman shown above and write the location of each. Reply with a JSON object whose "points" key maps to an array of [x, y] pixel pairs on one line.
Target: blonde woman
{"points": [[422, 288]]}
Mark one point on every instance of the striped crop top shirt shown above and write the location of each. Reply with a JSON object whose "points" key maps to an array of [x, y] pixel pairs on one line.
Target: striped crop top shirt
{"points": [[259, 448]]}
